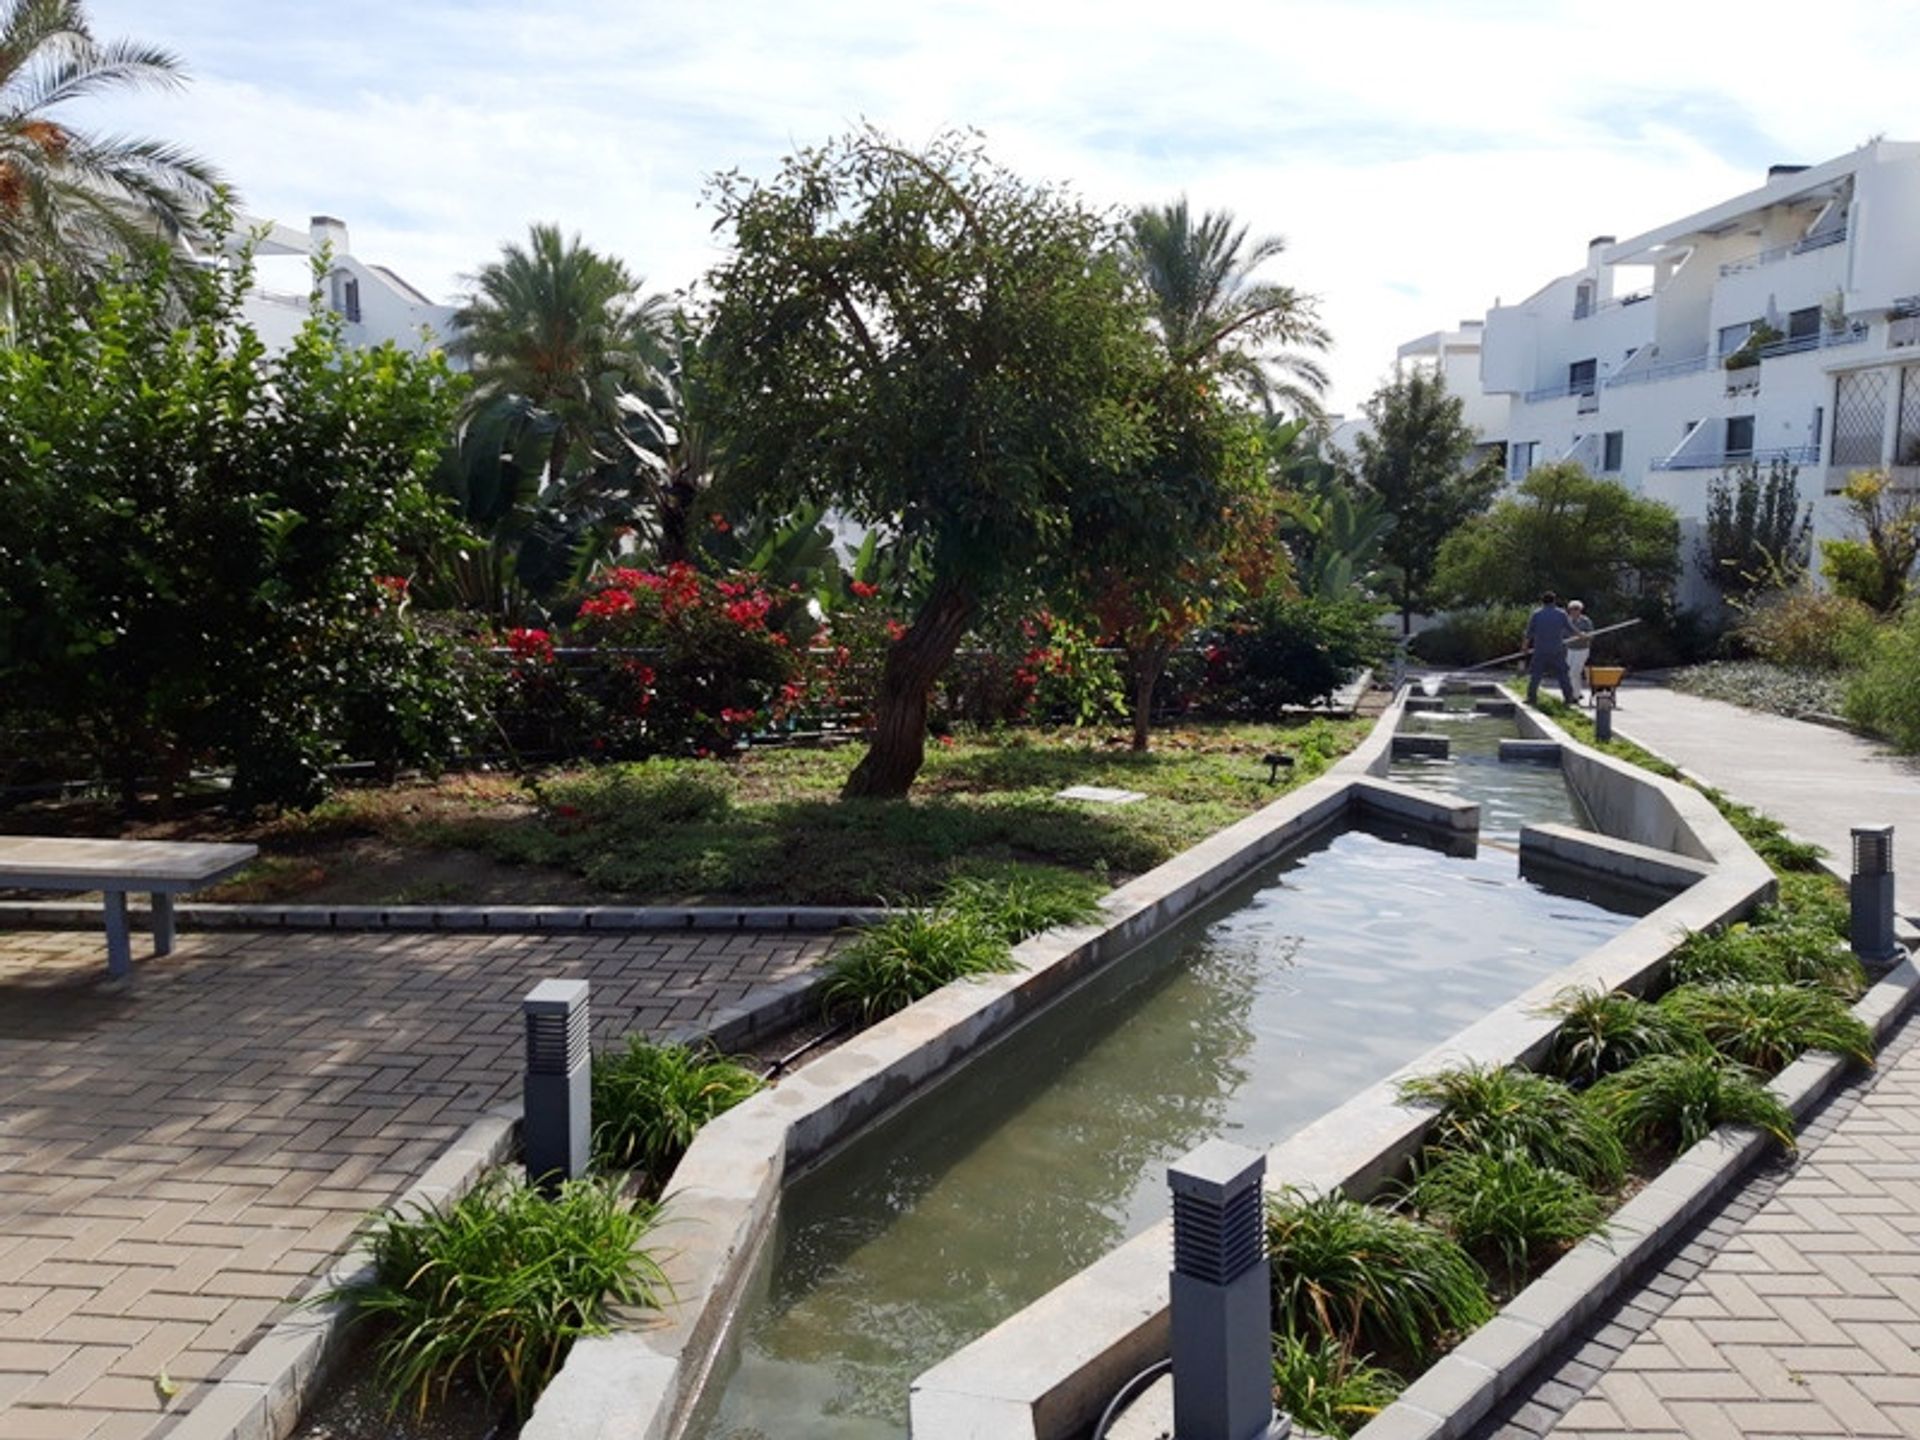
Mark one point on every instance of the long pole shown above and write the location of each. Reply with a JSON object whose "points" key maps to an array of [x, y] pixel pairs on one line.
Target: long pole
{"points": [[1521, 654]]}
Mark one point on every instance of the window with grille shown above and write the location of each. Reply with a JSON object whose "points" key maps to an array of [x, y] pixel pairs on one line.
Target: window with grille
{"points": [[1906, 450], [1859, 416]]}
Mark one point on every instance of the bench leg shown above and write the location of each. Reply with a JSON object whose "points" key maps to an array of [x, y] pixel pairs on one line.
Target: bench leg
{"points": [[162, 924], [119, 943]]}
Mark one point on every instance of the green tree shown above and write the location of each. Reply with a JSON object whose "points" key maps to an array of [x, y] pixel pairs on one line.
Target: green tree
{"points": [[1223, 331], [942, 351], [1562, 530], [1214, 315], [1414, 461], [563, 333], [207, 547], [67, 197], [1757, 531]]}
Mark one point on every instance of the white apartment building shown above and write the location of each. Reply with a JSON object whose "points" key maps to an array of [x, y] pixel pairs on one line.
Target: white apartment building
{"points": [[1454, 355], [374, 304], [1622, 364]]}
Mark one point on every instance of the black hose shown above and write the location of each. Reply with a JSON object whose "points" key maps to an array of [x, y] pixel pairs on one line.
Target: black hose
{"points": [[814, 1044], [1126, 1393]]}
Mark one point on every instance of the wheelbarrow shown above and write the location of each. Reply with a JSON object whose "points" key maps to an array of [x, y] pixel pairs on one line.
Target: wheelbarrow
{"points": [[1604, 681]]}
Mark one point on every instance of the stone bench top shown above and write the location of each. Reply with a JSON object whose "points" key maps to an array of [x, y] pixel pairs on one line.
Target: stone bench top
{"points": [[37, 861]]}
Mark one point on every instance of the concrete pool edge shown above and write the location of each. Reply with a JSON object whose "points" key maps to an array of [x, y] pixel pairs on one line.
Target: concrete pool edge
{"points": [[641, 1383], [1045, 1373]]}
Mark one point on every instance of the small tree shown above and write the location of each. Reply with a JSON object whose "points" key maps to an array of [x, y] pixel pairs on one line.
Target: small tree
{"points": [[206, 550], [1563, 530], [1415, 462], [1757, 532], [943, 351], [1876, 570]]}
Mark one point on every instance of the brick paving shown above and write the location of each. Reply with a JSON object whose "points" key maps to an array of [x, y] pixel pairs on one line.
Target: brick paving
{"points": [[181, 1155], [1794, 1310]]}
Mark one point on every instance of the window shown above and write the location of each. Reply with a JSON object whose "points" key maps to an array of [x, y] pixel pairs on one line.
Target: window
{"points": [[1732, 337], [1520, 458], [1612, 444], [1859, 416], [1817, 432], [1580, 377], [1804, 324], [1583, 300], [351, 303], [1739, 444]]}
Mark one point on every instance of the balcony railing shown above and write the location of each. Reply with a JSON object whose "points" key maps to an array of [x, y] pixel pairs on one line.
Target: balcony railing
{"points": [[1633, 298], [1663, 371], [1720, 459], [1785, 252], [1819, 340], [1561, 391]]}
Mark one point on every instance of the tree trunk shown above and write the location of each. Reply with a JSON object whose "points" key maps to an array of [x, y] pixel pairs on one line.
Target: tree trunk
{"points": [[1149, 664], [676, 520], [917, 658]]}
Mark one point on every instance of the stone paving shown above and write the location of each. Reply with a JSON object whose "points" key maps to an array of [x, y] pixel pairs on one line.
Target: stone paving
{"points": [[1817, 781], [182, 1153]]}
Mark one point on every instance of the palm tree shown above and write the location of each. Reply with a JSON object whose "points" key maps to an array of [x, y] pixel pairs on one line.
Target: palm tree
{"points": [[68, 197], [1212, 313], [563, 331]]}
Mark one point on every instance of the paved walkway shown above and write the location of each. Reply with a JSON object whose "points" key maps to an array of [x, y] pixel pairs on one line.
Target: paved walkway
{"points": [[181, 1155], [1818, 781], [1795, 1310]]}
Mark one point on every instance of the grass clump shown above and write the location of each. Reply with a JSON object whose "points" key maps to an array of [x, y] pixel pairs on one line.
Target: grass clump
{"points": [[1367, 1279], [639, 796], [1672, 1102], [1495, 1108], [1506, 1205], [650, 1100], [496, 1286], [1815, 899], [1017, 903], [911, 954], [1772, 950], [1765, 1027], [1604, 1031], [1326, 1389]]}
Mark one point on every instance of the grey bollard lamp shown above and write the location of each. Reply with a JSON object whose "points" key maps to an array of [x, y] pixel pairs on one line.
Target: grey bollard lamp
{"points": [[557, 1122], [1222, 1298], [1870, 894]]}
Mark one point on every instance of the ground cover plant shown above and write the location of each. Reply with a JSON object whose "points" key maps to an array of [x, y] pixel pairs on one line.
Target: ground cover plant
{"points": [[1666, 1103], [493, 1288], [763, 827], [650, 1099], [1497, 1109], [1503, 1205], [1325, 1389], [1605, 1031]]}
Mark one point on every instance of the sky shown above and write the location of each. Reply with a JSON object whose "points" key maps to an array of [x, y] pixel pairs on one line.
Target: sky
{"points": [[1422, 158]]}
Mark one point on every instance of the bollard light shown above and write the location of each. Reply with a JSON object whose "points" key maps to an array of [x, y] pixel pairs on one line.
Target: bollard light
{"points": [[1603, 715], [1870, 894], [1222, 1298], [1275, 763], [558, 1121]]}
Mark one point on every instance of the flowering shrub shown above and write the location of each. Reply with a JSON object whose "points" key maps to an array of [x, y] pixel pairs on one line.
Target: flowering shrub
{"points": [[688, 663], [1039, 667]]}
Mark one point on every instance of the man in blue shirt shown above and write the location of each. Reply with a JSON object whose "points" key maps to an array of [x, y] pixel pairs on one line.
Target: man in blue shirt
{"points": [[1548, 630]]}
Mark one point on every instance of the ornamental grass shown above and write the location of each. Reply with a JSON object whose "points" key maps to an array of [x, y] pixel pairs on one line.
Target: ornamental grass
{"points": [[650, 1100], [1327, 1390], [1498, 1108], [1767, 1027], [1672, 1102], [1604, 1031]]}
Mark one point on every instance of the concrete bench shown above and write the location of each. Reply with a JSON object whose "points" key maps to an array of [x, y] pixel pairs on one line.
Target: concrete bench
{"points": [[161, 868]]}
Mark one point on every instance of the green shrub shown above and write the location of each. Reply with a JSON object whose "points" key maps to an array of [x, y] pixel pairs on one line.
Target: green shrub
{"points": [[1762, 685], [1368, 1279], [1504, 1204], [640, 796], [649, 1101], [1675, 1101], [1815, 899], [1768, 1026], [1325, 1389], [1469, 636], [1603, 1031], [1025, 902], [912, 954], [1494, 1108], [495, 1287], [1809, 629], [1772, 950], [1291, 650], [1880, 694]]}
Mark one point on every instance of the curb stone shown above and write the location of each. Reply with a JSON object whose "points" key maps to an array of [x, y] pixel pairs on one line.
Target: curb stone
{"points": [[57, 914]]}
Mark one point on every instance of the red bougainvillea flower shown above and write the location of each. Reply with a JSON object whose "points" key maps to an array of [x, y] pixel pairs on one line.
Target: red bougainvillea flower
{"points": [[863, 590], [730, 716], [530, 645], [720, 522], [395, 586], [946, 740], [895, 629], [607, 604]]}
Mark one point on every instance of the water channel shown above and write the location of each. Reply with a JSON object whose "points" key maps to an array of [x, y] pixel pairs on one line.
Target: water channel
{"points": [[1310, 980]]}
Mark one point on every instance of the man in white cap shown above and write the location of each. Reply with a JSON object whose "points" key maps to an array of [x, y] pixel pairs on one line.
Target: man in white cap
{"points": [[1580, 649]]}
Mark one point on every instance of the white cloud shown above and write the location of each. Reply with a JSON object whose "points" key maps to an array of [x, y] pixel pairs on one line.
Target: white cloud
{"points": [[1420, 158]]}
